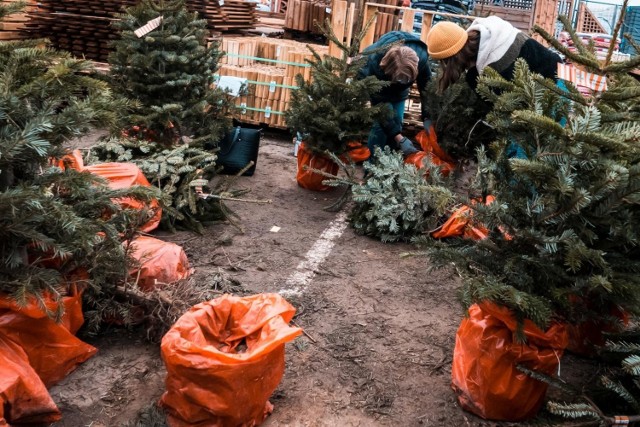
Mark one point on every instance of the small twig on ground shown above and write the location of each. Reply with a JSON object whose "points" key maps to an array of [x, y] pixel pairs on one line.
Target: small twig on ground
{"points": [[306, 334], [439, 365]]}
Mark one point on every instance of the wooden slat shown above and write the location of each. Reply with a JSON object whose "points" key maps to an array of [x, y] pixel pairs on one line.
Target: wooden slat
{"points": [[408, 19], [370, 12]]}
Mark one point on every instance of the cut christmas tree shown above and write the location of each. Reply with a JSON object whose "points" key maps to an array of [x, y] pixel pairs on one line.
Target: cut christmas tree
{"points": [[562, 234], [332, 110], [163, 60], [55, 223]]}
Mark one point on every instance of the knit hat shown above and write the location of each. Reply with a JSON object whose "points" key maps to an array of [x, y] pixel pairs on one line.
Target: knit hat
{"points": [[400, 63], [445, 39]]}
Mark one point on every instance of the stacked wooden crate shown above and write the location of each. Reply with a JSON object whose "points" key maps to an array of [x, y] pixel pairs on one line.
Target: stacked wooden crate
{"points": [[12, 25], [387, 19], [306, 15], [270, 67], [83, 27]]}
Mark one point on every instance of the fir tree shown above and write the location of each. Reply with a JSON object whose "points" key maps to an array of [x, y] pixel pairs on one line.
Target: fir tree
{"points": [[54, 223], [397, 201], [458, 117], [170, 71], [333, 108], [564, 229]]}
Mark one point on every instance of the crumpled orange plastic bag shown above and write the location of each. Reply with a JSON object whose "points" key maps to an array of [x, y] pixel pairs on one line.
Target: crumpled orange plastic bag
{"points": [[224, 359], [160, 262], [586, 337], [52, 348], [357, 152], [431, 150], [23, 396], [309, 179], [72, 160], [126, 175], [460, 224], [484, 372]]}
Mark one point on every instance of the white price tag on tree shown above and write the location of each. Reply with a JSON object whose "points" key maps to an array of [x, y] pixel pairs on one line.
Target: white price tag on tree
{"points": [[148, 27]]}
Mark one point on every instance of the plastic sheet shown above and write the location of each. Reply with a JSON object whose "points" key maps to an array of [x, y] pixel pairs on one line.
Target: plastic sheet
{"points": [[309, 179], [484, 372], [23, 396], [432, 151], [126, 175], [159, 262], [224, 359], [72, 160], [52, 348], [357, 152], [460, 224]]}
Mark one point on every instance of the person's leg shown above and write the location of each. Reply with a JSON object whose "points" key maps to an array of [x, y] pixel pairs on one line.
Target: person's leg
{"points": [[377, 136]]}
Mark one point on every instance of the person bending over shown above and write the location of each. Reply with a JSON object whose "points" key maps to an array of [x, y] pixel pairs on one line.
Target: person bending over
{"points": [[401, 59]]}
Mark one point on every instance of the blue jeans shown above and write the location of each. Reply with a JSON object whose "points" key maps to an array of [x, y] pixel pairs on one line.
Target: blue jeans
{"points": [[377, 136]]}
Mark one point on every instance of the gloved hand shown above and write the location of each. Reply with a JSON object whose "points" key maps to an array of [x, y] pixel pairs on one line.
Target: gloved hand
{"points": [[406, 146], [427, 125]]}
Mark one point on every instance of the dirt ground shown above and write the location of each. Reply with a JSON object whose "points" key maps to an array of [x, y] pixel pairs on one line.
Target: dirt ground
{"points": [[380, 329]]}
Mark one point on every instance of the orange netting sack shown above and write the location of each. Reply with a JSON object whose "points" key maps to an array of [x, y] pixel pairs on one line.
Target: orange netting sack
{"points": [[309, 179], [23, 396], [484, 372], [125, 175], [159, 262], [224, 359], [52, 348]]}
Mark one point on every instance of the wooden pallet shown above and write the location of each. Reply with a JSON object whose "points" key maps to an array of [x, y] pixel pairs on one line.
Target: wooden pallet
{"points": [[284, 60], [83, 27]]}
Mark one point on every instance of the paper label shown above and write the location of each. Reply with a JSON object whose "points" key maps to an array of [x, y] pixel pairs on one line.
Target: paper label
{"points": [[148, 27], [272, 86], [243, 105], [267, 112]]}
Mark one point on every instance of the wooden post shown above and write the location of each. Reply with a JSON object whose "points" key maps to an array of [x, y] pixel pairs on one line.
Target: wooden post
{"points": [[338, 19], [369, 13], [351, 15], [427, 21], [408, 18]]}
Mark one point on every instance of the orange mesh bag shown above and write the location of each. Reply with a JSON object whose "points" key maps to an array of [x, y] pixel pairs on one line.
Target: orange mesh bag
{"points": [[23, 396], [224, 359], [160, 262], [52, 348], [484, 372], [125, 175], [309, 179], [356, 152]]}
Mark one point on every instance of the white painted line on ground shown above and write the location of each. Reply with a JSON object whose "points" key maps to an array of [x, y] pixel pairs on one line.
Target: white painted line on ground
{"points": [[305, 271]]}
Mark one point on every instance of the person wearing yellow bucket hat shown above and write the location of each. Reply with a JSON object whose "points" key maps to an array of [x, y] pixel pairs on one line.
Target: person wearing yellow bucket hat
{"points": [[401, 59], [488, 42]]}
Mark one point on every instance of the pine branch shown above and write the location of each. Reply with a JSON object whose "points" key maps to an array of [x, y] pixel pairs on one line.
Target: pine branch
{"points": [[616, 32]]}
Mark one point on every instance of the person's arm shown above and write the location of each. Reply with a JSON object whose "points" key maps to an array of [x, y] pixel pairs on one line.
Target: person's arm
{"points": [[472, 77], [540, 59]]}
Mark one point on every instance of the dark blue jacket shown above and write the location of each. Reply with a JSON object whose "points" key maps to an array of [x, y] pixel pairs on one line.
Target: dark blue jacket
{"points": [[397, 92]]}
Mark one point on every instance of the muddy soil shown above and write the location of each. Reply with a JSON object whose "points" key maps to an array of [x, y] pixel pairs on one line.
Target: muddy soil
{"points": [[380, 328]]}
